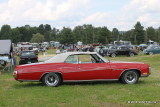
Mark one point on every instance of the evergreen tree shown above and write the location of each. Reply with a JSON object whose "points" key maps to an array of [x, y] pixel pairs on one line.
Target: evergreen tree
{"points": [[139, 33]]}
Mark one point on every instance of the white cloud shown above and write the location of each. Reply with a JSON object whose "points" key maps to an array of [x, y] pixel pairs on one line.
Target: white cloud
{"points": [[37, 11], [71, 13], [145, 11]]}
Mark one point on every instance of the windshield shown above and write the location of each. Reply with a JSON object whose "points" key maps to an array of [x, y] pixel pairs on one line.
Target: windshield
{"points": [[27, 54], [112, 47]]}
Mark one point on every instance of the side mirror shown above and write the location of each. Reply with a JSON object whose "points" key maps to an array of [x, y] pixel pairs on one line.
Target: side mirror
{"points": [[3, 64]]}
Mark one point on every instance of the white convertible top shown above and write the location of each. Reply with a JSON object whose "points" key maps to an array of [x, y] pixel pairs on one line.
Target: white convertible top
{"points": [[62, 57]]}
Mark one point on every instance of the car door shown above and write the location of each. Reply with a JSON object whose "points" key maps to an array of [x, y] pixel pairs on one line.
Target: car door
{"points": [[90, 68], [87, 69], [126, 51], [121, 51]]}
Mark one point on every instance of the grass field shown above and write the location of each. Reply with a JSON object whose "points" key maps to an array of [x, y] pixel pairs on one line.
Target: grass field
{"points": [[99, 94]]}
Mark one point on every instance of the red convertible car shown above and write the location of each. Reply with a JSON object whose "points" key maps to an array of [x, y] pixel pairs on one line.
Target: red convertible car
{"points": [[81, 67]]}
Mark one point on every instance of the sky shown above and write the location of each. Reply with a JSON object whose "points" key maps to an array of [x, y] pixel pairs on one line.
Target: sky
{"points": [[121, 14]]}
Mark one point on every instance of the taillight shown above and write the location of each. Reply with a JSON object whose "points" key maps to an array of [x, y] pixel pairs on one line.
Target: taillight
{"points": [[15, 73], [37, 58]]}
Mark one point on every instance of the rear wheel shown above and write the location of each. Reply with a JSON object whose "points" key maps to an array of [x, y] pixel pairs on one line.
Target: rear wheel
{"points": [[52, 79], [130, 77], [131, 54]]}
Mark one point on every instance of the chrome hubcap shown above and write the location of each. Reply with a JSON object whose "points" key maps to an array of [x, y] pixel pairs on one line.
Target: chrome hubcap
{"points": [[51, 79], [113, 55], [131, 77], [131, 54]]}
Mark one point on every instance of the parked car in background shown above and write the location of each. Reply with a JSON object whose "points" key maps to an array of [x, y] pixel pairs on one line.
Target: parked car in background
{"points": [[27, 57], [152, 50], [97, 48], [121, 50], [142, 46], [81, 67]]}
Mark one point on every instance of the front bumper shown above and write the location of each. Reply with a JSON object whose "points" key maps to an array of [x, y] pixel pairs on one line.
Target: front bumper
{"points": [[146, 74]]}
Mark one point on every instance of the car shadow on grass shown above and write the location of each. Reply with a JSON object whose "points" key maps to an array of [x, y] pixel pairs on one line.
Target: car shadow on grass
{"points": [[101, 83], [28, 84], [39, 84]]}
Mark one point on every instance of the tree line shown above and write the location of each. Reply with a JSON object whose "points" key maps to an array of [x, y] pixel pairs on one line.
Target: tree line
{"points": [[86, 33]]}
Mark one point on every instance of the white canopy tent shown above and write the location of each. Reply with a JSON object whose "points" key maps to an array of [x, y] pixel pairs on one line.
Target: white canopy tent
{"points": [[5, 54]]}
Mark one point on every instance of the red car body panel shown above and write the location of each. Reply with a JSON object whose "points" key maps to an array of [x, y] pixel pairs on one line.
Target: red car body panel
{"points": [[76, 72]]}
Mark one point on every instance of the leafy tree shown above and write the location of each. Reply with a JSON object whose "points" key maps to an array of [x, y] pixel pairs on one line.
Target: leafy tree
{"points": [[115, 34], [16, 36], [158, 35], [103, 35], [47, 36], [89, 35], [53, 34], [128, 35], [24, 34], [47, 27], [151, 34], [79, 34], [138, 33], [30, 32], [41, 29], [66, 36], [37, 38], [5, 32]]}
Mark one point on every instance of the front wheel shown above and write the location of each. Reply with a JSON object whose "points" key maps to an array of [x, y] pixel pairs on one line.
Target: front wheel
{"points": [[150, 53], [130, 77], [113, 55], [52, 79]]}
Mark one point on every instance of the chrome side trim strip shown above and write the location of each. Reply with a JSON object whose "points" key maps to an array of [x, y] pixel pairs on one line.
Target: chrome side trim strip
{"points": [[90, 80], [41, 71]]}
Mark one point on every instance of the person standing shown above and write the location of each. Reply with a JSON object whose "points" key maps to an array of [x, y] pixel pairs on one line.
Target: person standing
{"points": [[101, 51], [57, 51]]}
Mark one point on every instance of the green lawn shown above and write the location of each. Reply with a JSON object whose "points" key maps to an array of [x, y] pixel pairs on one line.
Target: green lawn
{"points": [[100, 94]]}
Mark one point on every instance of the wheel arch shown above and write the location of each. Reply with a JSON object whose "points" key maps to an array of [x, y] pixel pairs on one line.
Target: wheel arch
{"points": [[61, 75], [137, 70]]}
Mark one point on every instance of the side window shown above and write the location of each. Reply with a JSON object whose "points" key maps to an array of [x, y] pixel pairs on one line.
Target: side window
{"points": [[72, 59], [125, 48], [85, 59]]}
